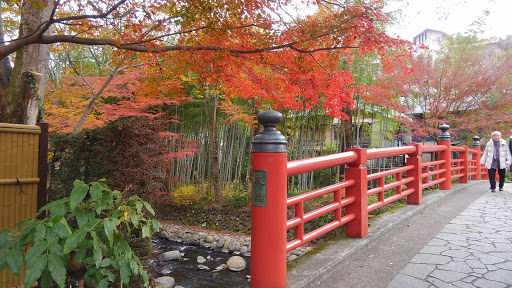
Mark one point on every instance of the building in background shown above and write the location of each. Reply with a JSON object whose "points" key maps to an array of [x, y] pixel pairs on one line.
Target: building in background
{"points": [[428, 39]]}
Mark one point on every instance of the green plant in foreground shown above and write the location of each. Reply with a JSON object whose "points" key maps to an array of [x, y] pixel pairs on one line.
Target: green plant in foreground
{"points": [[92, 228]]}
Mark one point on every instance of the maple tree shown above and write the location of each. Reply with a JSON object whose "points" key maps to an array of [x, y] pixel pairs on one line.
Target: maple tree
{"points": [[466, 85], [260, 51], [240, 30]]}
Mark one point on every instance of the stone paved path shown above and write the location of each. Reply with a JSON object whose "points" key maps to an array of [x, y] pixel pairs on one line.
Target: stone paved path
{"points": [[474, 250]]}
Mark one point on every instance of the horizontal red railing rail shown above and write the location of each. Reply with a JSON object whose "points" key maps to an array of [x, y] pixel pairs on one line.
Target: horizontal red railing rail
{"points": [[458, 148], [319, 192], [297, 167], [433, 148], [389, 152]]}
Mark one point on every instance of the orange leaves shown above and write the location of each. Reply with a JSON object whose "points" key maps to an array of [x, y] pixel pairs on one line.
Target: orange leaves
{"points": [[168, 135], [124, 97], [254, 50], [237, 114], [339, 95], [462, 85]]}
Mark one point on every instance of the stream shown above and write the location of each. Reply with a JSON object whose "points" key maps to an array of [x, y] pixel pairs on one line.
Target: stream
{"points": [[186, 273]]}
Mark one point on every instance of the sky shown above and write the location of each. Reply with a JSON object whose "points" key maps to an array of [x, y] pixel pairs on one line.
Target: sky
{"points": [[450, 16]]}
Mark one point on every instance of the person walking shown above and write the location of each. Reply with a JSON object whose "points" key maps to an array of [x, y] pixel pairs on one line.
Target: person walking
{"points": [[496, 156]]}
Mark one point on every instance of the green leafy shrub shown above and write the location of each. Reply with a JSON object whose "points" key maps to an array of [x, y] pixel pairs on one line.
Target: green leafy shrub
{"points": [[238, 196], [91, 231]]}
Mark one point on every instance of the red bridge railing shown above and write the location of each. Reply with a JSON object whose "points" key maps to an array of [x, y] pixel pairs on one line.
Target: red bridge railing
{"points": [[270, 204]]}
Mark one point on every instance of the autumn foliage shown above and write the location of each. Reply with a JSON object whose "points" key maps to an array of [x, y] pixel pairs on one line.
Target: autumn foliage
{"points": [[248, 49], [124, 97], [223, 53], [465, 85]]}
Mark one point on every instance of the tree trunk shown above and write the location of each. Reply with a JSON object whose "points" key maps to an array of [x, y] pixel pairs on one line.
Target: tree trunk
{"points": [[24, 97], [211, 104], [348, 129]]}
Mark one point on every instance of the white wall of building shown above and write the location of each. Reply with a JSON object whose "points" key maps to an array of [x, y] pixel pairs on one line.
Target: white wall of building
{"points": [[429, 38]]}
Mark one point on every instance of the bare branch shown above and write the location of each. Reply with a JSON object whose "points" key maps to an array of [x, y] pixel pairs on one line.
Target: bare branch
{"points": [[72, 64], [97, 16]]}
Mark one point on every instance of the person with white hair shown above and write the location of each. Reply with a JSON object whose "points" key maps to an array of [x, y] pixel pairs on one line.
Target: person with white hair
{"points": [[496, 156]]}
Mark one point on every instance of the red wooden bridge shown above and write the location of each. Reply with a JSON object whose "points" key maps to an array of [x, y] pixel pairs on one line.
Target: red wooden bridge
{"points": [[271, 169]]}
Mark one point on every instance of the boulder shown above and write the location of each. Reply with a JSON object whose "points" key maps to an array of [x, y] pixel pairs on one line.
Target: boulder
{"points": [[188, 238], [220, 243], [165, 282], [232, 246], [201, 259], [236, 263], [292, 257], [171, 255]]}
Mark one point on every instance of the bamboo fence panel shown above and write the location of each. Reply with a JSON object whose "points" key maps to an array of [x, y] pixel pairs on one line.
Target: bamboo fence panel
{"points": [[19, 179]]}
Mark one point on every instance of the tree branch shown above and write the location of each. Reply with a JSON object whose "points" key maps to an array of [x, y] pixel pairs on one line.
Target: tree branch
{"points": [[95, 96], [52, 39], [96, 16]]}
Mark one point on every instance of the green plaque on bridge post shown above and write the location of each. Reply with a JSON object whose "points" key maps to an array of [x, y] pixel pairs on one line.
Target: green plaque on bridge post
{"points": [[259, 188]]}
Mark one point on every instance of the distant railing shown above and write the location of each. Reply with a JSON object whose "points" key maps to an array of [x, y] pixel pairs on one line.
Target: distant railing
{"points": [[270, 204]]}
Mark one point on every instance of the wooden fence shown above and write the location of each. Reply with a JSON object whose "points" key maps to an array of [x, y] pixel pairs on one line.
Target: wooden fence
{"points": [[23, 174]]}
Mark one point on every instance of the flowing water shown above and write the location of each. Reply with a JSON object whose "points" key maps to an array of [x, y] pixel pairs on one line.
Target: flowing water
{"points": [[185, 270]]}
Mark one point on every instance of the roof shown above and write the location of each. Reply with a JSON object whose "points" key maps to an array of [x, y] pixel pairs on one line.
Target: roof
{"points": [[430, 30]]}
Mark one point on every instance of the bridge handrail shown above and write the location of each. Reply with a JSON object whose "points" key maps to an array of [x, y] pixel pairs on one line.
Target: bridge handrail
{"points": [[301, 166], [377, 153], [458, 148], [432, 148], [472, 151], [319, 192], [389, 172]]}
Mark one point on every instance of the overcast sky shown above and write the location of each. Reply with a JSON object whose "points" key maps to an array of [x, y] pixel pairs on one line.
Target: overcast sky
{"points": [[451, 16]]}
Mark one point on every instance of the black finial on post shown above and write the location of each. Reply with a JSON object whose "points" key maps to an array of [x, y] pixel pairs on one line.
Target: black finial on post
{"points": [[269, 140], [444, 135], [476, 141]]}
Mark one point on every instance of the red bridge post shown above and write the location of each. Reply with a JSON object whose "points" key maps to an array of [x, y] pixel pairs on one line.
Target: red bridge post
{"points": [[414, 159], [446, 155], [476, 146], [268, 204], [358, 228], [465, 166]]}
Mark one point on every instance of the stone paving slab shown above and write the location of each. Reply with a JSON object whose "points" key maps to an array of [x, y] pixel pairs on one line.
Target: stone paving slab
{"points": [[474, 250]]}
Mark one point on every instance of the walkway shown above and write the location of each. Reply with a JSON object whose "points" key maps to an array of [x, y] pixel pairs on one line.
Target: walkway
{"points": [[474, 250], [457, 238]]}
